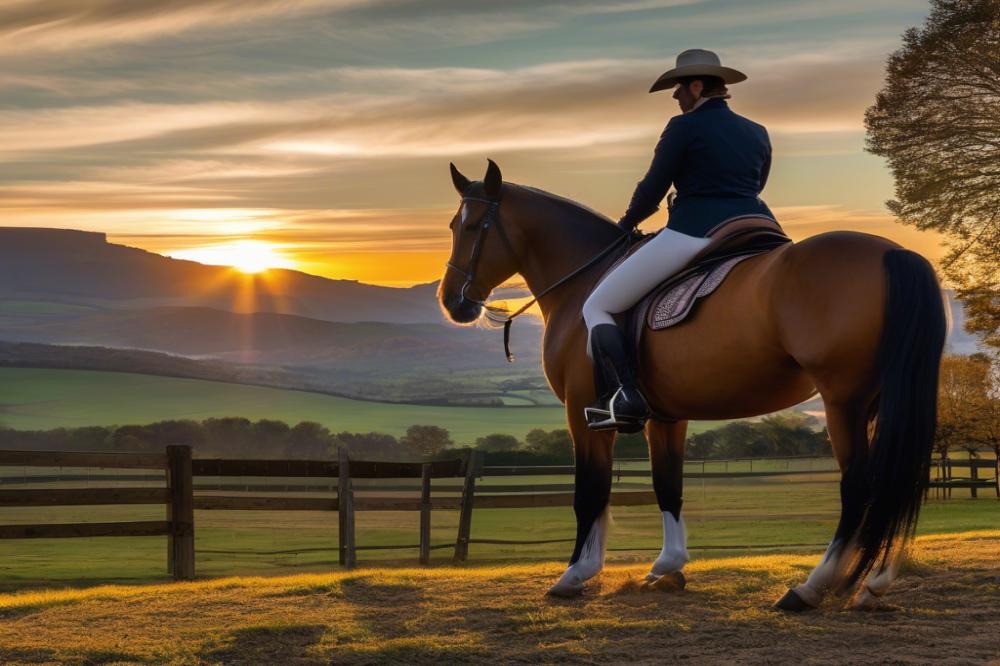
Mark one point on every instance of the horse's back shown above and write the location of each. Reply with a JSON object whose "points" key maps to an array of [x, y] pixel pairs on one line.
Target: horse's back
{"points": [[781, 324]]}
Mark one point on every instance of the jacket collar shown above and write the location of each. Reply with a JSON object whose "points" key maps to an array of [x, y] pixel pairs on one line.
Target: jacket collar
{"points": [[712, 103]]}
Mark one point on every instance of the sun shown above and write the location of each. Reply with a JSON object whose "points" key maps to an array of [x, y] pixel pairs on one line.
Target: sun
{"points": [[246, 256]]}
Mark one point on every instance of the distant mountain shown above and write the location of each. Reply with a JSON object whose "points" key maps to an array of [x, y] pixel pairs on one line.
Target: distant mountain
{"points": [[260, 338], [81, 267]]}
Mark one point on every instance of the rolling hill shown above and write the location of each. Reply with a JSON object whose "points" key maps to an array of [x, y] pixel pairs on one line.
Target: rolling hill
{"points": [[82, 268]]}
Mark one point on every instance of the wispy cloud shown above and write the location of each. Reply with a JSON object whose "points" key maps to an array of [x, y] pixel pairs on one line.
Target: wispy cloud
{"points": [[332, 121]]}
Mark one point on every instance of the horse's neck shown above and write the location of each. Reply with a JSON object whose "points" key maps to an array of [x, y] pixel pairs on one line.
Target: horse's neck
{"points": [[557, 243]]}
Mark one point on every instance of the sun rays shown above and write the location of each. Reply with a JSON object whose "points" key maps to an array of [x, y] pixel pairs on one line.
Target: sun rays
{"points": [[246, 256]]}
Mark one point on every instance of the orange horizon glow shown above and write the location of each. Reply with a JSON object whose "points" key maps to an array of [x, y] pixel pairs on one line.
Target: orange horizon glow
{"points": [[247, 256]]}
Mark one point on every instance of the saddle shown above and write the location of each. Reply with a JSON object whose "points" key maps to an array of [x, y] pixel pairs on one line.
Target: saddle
{"points": [[672, 301]]}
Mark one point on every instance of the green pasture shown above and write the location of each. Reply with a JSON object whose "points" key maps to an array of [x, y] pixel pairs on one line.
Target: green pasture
{"points": [[725, 517], [41, 399]]}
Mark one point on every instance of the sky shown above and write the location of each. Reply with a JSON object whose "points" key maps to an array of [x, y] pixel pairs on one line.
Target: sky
{"points": [[322, 129]]}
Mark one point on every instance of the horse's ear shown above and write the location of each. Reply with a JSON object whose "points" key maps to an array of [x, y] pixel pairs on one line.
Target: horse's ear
{"points": [[493, 180], [460, 181]]}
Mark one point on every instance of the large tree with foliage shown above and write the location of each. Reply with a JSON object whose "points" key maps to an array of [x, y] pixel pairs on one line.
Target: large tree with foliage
{"points": [[937, 122]]}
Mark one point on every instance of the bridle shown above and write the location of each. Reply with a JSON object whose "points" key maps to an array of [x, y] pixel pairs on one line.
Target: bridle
{"points": [[488, 219], [491, 218]]}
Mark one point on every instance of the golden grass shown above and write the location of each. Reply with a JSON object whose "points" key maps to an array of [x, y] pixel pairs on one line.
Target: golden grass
{"points": [[947, 607]]}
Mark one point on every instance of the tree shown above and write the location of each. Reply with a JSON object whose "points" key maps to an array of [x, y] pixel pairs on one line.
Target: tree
{"points": [[310, 440], [937, 122], [556, 444], [701, 445], [962, 392], [368, 445], [425, 441], [496, 442]]}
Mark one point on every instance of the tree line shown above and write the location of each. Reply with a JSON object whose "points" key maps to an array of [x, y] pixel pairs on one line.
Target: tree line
{"points": [[785, 434]]}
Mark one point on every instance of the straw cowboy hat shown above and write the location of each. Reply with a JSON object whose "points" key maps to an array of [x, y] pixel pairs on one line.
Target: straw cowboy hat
{"points": [[694, 62]]}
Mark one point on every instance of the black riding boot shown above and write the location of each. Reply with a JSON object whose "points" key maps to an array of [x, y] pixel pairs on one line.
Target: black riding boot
{"points": [[619, 405]]}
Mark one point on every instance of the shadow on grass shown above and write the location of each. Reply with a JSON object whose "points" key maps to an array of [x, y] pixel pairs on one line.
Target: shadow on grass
{"points": [[281, 644]]}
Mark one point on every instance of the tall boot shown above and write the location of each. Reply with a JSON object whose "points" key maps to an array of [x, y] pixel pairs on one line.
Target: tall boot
{"points": [[619, 405]]}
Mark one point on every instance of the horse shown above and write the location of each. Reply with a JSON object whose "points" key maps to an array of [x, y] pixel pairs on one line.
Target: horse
{"points": [[852, 316]]}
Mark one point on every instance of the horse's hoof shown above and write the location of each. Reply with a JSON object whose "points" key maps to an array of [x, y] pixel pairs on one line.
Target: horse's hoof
{"points": [[792, 603], [867, 602], [671, 582], [565, 590]]}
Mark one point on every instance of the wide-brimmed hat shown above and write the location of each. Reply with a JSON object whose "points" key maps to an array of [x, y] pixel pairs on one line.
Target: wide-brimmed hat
{"points": [[694, 62]]}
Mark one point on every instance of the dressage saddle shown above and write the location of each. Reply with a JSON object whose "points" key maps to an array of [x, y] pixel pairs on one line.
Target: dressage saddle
{"points": [[672, 301]]}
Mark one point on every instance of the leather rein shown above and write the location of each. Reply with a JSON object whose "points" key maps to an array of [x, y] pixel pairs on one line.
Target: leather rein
{"points": [[491, 218]]}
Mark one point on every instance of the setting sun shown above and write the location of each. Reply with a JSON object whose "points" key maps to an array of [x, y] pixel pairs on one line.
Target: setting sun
{"points": [[246, 256]]}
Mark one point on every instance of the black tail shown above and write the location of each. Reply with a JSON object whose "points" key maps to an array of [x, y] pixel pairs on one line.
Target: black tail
{"points": [[902, 440]]}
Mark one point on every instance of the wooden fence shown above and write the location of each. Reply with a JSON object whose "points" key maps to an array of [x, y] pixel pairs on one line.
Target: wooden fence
{"points": [[177, 496], [946, 479], [181, 499]]}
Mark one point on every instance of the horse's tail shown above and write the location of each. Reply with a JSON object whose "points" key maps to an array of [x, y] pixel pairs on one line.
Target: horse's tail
{"points": [[902, 439]]}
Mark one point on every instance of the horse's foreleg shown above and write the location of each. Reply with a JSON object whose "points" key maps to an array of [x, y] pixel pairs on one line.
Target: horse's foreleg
{"points": [[666, 456], [593, 453], [847, 428]]}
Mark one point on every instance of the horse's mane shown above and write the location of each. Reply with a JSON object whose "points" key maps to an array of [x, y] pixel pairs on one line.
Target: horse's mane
{"points": [[572, 206]]}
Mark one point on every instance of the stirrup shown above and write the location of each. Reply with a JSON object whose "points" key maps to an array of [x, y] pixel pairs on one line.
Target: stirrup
{"points": [[604, 417]]}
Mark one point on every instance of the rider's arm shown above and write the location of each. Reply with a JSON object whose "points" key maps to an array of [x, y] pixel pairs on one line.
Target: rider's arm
{"points": [[662, 171], [766, 169]]}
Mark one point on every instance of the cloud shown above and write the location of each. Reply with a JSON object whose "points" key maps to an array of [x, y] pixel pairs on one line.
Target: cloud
{"points": [[70, 24], [127, 116], [60, 25]]}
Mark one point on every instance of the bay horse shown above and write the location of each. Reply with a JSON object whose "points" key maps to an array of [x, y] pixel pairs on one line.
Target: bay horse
{"points": [[851, 316]]}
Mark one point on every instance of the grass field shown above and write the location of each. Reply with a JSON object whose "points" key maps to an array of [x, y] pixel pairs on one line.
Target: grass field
{"points": [[38, 399], [35, 399], [724, 516], [944, 608]]}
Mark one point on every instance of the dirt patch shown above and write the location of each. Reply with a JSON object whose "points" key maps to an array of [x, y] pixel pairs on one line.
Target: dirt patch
{"points": [[944, 609]]}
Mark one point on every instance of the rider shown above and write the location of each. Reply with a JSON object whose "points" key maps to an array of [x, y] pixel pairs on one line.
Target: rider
{"points": [[718, 163]]}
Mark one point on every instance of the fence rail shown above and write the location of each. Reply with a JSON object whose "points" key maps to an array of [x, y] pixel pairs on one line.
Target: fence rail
{"points": [[176, 496], [182, 494]]}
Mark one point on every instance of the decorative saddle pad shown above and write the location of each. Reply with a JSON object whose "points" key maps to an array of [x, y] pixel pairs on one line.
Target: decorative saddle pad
{"points": [[673, 301]]}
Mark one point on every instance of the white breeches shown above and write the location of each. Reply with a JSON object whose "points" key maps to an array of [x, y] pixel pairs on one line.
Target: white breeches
{"points": [[662, 256]]}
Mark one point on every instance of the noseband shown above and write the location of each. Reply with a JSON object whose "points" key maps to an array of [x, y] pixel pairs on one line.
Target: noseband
{"points": [[489, 219]]}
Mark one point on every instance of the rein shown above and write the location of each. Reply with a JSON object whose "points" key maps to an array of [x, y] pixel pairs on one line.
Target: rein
{"points": [[492, 218]]}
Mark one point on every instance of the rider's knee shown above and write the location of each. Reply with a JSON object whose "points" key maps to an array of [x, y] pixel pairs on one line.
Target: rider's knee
{"points": [[594, 313]]}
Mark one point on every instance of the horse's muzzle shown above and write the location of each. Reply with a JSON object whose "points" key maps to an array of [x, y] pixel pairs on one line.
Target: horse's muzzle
{"points": [[461, 310]]}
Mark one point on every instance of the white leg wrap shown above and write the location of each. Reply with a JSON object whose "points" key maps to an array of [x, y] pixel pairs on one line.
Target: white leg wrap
{"points": [[674, 554], [877, 583], [591, 559], [822, 577]]}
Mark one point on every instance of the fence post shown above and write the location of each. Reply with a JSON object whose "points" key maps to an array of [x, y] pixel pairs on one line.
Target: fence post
{"points": [[425, 514], [345, 510], [996, 474], [180, 513], [973, 476], [948, 472], [472, 465]]}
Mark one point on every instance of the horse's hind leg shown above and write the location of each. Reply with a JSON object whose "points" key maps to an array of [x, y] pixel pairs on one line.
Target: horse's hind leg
{"points": [[847, 426], [666, 456], [877, 584]]}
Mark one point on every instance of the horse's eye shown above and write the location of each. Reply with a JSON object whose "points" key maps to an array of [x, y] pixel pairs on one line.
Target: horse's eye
{"points": [[472, 227]]}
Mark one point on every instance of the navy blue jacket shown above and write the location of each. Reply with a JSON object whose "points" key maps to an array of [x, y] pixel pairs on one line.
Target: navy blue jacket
{"points": [[717, 161]]}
